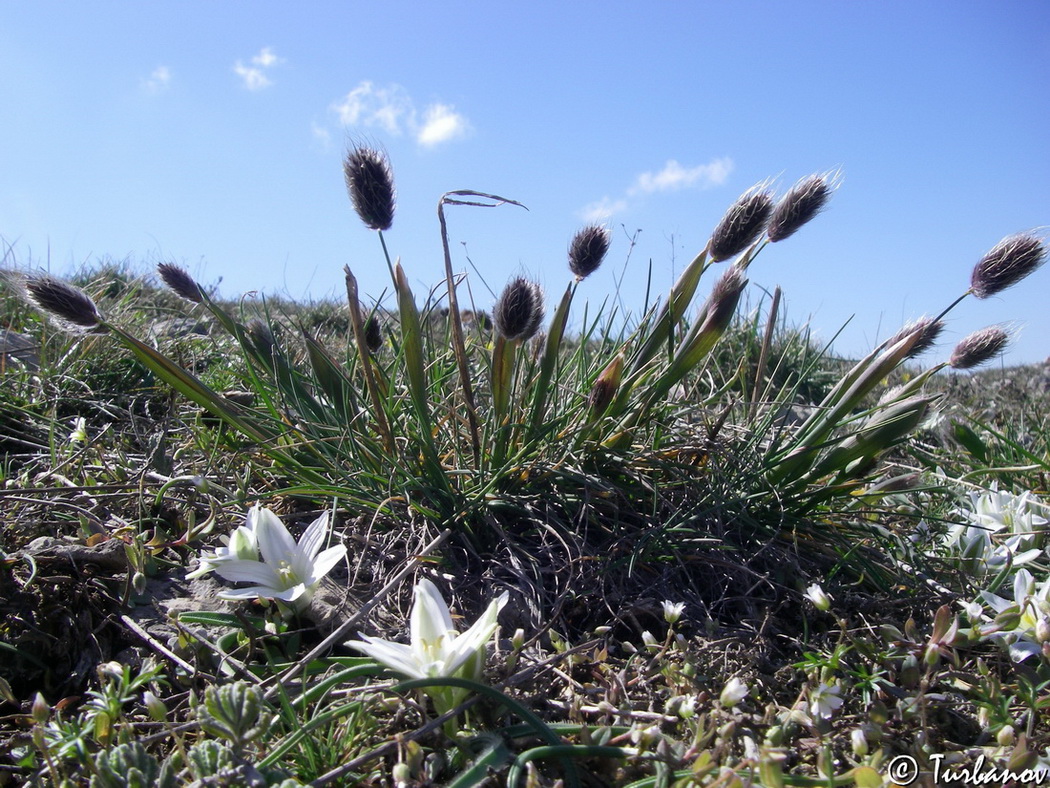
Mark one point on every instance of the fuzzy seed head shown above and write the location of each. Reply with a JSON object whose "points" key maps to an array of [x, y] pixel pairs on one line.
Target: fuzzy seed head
{"points": [[979, 347], [804, 201], [373, 334], [587, 250], [606, 386], [262, 336], [519, 310], [721, 303], [180, 282], [927, 330], [743, 223], [370, 184], [1009, 261], [68, 305]]}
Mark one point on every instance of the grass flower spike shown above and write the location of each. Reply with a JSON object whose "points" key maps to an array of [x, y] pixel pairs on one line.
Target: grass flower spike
{"points": [[800, 205], [370, 184], [436, 649], [288, 571], [519, 310], [1009, 261], [180, 282], [743, 223], [587, 250], [71, 307], [979, 347]]}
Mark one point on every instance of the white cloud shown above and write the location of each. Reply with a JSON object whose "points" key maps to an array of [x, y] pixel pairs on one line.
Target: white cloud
{"points": [[158, 80], [441, 123], [266, 58], [392, 109], [602, 210], [321, 134], [254, 76], [674, 176]]}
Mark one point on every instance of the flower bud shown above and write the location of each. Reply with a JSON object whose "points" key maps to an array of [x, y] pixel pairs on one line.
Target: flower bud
{"points": [[821, 601], [602, 394], [859, 742], [733, 692], [155, 707], [41, 710]]}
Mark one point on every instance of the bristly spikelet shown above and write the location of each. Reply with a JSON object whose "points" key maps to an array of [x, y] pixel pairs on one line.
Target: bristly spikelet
{"points": [[373, 334], [587, 250], [802, 203], [180, 282], [1009, 261], [519, 310], [262, 336], [71, 307], [743, 223], [606, 386], [927, 329], [979, 347], [722, 302], [370, 184]]}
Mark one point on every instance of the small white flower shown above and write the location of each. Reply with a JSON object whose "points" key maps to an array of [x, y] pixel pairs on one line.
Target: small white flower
{"points": [[1032, 602], [672, 611], [733, 692], [79, 433], [859, 742], [289, 571], [436, 648], [825, 701], [241, 544], [998, 529], [817, 596]]}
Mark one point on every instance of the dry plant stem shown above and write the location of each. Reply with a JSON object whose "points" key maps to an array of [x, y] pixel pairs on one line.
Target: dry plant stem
{"points": [[763, 354], [366, 361], [344, 629], [458, 344]]}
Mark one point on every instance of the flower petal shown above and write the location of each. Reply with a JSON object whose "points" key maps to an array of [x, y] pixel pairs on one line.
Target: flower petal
{"points": [[275, 543], [474, 639], [430, 619], [313, 537], [249, 572], [396, 656], [324, 563]]}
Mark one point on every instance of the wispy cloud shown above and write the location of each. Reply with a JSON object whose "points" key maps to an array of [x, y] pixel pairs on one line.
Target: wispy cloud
{"points": [[672, 177], [254, 76], [602, 209], [322, 135], [392, 109], [158, 80]]}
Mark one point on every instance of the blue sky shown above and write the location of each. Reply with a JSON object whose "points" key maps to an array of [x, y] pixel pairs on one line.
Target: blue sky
{"points": [[211, 135]]}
